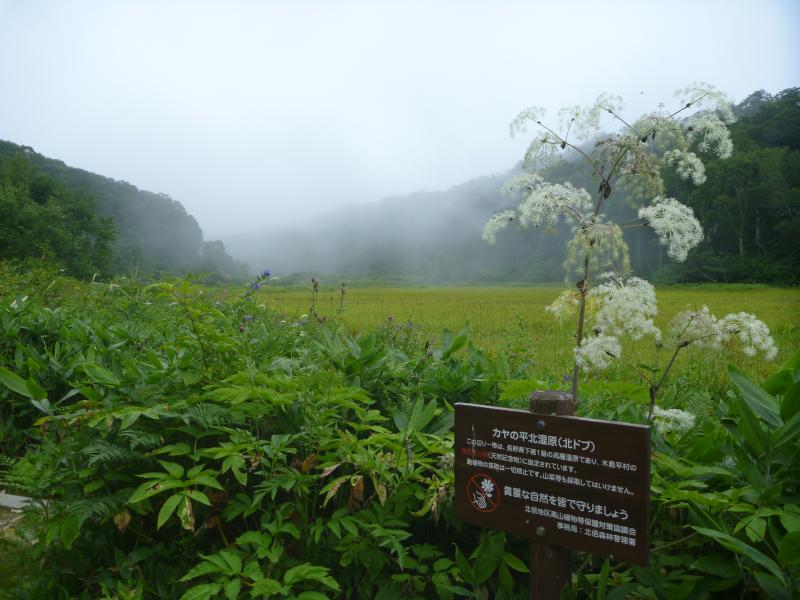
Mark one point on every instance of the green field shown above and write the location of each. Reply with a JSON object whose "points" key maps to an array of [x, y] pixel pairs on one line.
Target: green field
{"points": [[513, 320], [171, 425]]}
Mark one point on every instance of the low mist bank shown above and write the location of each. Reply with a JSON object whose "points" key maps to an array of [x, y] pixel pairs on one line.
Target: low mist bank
{"points": [[427, 236], [749, 209]]}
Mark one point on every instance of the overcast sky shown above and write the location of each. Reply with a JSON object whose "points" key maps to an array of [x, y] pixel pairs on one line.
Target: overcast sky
{"points": [[257, 113]]}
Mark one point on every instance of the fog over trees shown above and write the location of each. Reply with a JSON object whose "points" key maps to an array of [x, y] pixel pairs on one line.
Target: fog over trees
{"points": [[749, 208], [436, 236]]}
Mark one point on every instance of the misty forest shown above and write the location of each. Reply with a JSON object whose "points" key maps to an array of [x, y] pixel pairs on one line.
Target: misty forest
{"points": [[271, 415]]}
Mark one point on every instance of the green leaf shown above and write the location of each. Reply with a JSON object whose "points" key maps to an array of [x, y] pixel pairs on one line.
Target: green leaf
{"points": [[14, 382], [773, 587], [256, 538], [102, 375], [464, 567], [312, 596], [174, 469], [754, 527], [751, 429], [252, 570], [790, 403], [790, 521], [783, 378], [202, 592], [267, 587], [179, 449], [204, 568], [36, 391], [199, 496], [720, 565], [789, 552], [789, 431], [195, 470], [70, 528], [602, 581], [442, 564], [231, 588], [93, 486], [487, 556], [232, 559], [515, 563], [623, 592], [207, 481], [333, 487], [759, 401], [167, 509], [152, 488], [309, 572], [738, 546], [748, 468], [778, 382], [457, 345], [422, 414]]}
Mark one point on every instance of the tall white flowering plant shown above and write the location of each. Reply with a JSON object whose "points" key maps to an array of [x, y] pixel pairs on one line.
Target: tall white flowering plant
{"points": [[625, 306]]}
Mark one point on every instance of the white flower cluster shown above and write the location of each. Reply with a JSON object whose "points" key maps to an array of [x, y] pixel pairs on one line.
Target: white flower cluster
{"points": [[584, 121], [548, 201], [703, 329], [542, 205], [672, 420], [15, 305], [704, 95], [696, 327], [532, 114], [687, 165], [602, 242], [596, 352], [627, 307], [674, 224], [710, 124], [565, 305], [753, 334], [497, 222], [543, 152], [711, 131], [522, 183]]}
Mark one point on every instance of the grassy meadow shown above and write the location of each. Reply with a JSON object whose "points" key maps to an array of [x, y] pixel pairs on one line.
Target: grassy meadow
{"points": [[513, 320], [171, 425]]}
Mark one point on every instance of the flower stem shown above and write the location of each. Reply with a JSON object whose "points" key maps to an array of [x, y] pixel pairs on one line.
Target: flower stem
{"points": [[654, 389], [583, 286]]}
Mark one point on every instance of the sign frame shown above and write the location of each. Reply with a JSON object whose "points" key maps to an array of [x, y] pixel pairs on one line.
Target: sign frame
{"points": [[611, 518]]}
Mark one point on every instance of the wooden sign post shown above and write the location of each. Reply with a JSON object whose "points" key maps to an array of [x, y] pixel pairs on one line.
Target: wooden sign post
{"points": [[550, 566], [563, 481]]}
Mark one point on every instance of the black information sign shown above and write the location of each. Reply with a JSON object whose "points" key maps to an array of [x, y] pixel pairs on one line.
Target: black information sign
{"points": [[579, 483]]}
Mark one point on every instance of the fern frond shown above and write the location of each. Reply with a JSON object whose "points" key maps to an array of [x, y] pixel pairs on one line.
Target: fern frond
{"points": [[140, 439], [101, 452]]}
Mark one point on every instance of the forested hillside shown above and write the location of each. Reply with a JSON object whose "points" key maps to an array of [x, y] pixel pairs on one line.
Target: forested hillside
{"points": [[436, 236], [90, 223]]}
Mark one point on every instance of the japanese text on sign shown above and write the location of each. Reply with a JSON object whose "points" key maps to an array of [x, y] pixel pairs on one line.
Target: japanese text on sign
{"points": [[578, 483]]}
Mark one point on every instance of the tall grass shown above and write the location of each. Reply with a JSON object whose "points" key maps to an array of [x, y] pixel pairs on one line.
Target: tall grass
{"points": [[512, 320]]}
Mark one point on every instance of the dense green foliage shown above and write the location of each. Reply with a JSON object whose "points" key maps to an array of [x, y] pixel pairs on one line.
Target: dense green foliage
{"points": [[749, 209], [91, 223], [42, 217], [750, 205], [183, 445]]}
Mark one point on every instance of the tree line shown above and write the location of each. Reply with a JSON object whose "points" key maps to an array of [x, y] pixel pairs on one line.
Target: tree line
{"points": [[749, 208], [93, 224]]}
